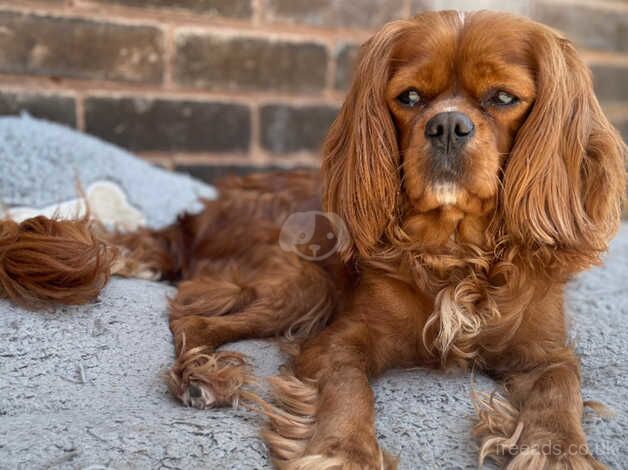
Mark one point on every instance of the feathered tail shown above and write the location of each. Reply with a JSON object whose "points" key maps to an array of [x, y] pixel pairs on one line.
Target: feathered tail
{"points": [[49, 261]]}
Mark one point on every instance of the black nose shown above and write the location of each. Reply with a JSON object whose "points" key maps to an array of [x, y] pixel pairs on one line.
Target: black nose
{"points": [[448, 132]]}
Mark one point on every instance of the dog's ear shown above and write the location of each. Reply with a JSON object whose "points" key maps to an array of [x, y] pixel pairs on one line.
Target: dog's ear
{"points": [[565, 178], [361, 156]]}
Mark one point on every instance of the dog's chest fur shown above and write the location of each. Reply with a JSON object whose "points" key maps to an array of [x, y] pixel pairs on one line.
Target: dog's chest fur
{"points": [[466, 295]]}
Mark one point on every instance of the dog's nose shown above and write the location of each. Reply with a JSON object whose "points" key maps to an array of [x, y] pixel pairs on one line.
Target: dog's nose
{"points": [[449, 131]]}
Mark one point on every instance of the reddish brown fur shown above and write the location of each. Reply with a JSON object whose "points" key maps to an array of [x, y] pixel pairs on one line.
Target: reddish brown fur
{"points": [[472, 278], [46, 261]]}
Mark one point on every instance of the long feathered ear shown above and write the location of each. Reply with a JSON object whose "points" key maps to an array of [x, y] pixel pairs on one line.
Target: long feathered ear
{"points": [[565, 178], [360, 155]]}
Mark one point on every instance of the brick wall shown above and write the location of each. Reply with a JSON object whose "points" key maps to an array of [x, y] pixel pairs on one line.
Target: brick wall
{"points": [[215, 86]]}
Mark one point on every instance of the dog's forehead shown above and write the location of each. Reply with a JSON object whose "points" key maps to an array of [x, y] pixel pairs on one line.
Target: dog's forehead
{"points": [[473, 47], [496, 37], [454, 32]]}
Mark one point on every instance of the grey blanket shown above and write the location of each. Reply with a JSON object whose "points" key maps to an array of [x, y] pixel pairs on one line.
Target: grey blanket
{"points": [[81, 388]]}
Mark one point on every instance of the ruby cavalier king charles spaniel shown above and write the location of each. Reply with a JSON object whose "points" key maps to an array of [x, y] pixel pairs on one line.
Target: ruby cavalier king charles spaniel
{"points": [[469, 175]]}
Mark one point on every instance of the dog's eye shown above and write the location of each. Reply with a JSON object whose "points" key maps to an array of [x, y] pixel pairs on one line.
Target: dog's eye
{"points": [[503, 98], [409, 98]]}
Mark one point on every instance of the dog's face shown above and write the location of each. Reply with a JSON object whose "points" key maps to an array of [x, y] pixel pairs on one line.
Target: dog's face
{"points": [[457, 121], [457, 101]]}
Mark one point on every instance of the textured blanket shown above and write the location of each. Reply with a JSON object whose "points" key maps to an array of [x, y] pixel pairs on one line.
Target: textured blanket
{"points": [[81, 388]]}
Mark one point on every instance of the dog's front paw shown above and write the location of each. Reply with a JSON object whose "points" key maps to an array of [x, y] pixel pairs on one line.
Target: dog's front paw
{"points": [[342, 459], [203, 380], [548, 439], [538, 460], [298, 441], [348, 453], [198, 395], [532, 439], [536, 446]]}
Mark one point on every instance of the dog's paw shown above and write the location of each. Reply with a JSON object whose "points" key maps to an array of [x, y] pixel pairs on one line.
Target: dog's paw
{"points": [[347, 453], [340, 461], [198, 395], [530, 440], [205, 380], [518, 452], [539, 460]]}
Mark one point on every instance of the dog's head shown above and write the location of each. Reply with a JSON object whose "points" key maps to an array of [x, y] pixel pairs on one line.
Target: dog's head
{"points": [[456, 119]]}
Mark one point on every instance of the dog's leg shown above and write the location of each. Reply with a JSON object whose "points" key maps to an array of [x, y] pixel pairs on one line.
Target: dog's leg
{"points": [[327, 418], [211, 296], [539, 423], [148, 254], [207, 314], [325, 414]]}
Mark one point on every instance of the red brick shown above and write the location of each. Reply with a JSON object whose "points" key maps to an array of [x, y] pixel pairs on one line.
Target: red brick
{"points": [[346, 55], [610, 82], [244, 63], [230, 8], [334, 13], [287, 129], [521, 7], [622, 127], [169, 125], [595, 28], [77, 48], [61, 109]]}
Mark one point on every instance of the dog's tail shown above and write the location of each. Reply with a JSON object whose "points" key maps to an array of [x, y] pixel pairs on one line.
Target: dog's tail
{"points": [[47, 261]]}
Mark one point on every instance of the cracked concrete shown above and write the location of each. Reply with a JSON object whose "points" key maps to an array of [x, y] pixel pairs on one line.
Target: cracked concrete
{"points": [[81, 386]]}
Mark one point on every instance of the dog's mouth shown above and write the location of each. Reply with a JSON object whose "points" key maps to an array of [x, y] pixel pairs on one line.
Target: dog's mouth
{"points": [[452, 198]]}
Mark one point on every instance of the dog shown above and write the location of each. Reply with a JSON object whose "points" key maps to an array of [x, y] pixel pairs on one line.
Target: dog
{"points": [[469, 175]]}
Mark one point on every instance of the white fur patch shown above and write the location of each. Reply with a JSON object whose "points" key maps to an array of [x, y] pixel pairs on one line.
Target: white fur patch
{"points": [[446, 193], [461, 17], [446, 106]]}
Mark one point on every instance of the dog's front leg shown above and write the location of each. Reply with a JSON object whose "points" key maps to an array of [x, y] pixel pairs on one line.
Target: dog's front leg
{"points": [[345, 418], [539, 425], [327, 417]]}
